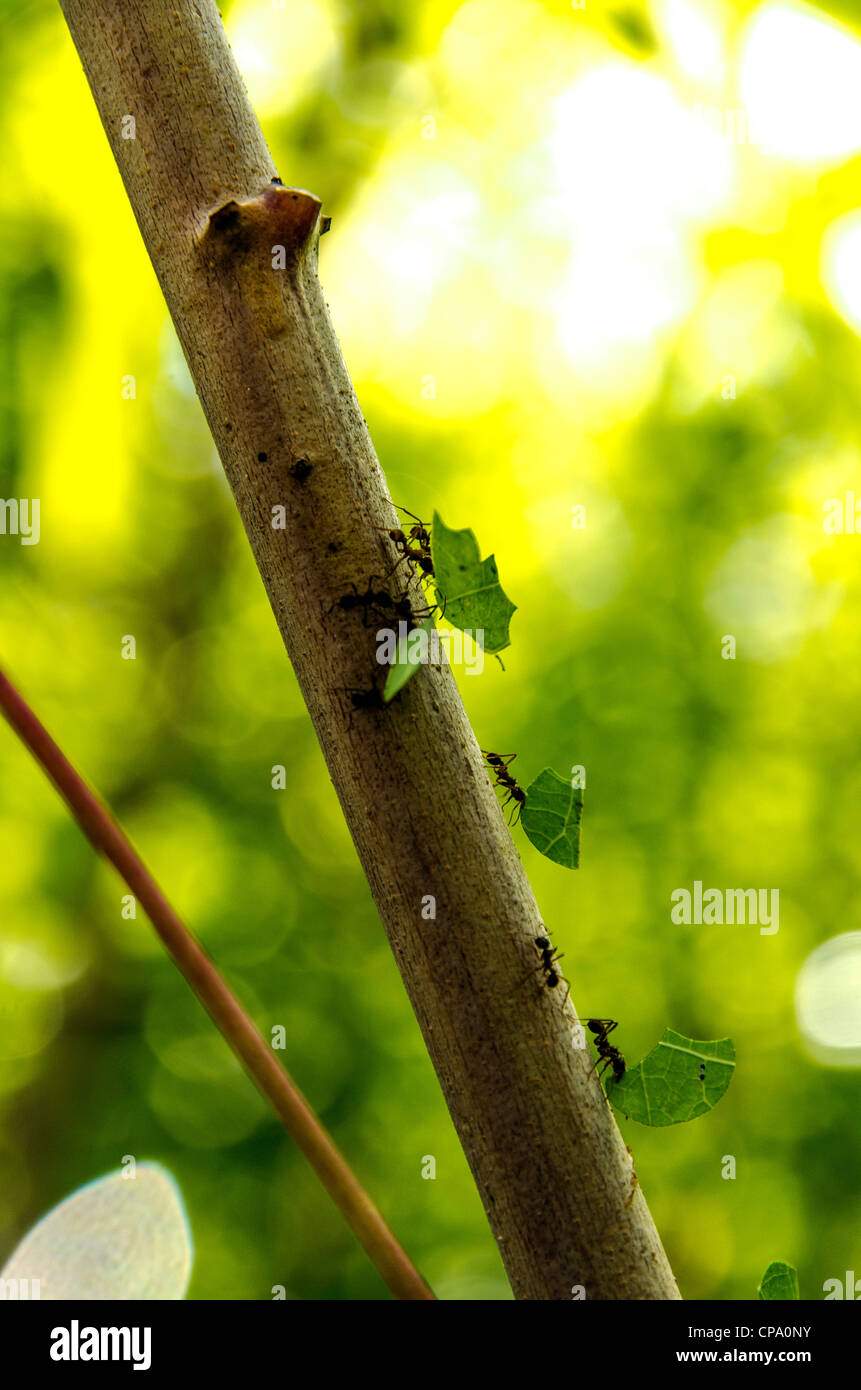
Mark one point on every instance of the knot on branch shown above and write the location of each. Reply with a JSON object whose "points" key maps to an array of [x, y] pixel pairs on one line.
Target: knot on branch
{"points": [[279, 218]]}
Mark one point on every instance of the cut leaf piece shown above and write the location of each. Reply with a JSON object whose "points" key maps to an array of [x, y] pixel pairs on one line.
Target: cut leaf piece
{"points": [[468, 588], [779, 1281], [119, 1237], [678, 1080], [551, 818], [411, 655]]}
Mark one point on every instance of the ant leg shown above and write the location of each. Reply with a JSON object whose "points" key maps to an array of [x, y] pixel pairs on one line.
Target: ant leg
{"points": [[412, 514], [404, 555], [424, 613], [607, 1100], [367, 604], [565, 981], [336, 602], [533, 971], [599, 1060]]}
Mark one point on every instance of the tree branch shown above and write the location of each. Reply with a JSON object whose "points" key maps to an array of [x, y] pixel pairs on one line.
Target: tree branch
{"points": [[554, 1175]]}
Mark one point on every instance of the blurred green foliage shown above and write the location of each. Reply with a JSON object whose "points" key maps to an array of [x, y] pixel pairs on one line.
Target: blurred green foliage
{"points": [[541, 312]]}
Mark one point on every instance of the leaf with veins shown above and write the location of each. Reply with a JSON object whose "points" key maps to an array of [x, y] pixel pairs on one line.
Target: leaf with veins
{"points": [[677, 1081]]}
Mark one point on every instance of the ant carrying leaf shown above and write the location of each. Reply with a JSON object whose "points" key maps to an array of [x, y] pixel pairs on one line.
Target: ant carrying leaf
{"points": [[499, 764], [415, 546], [678, 1080], [608, 1055]]}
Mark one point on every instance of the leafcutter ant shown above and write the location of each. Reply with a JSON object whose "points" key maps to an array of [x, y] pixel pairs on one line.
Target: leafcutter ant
{"points": [[608, 1055], [418, 533], [549, 960], [365, 699], [414, 546], [374, 598], [499, 763], [383, 602]]}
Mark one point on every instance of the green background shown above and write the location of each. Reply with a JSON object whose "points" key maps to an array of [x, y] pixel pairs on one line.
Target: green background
{"points": [[540, 312]]}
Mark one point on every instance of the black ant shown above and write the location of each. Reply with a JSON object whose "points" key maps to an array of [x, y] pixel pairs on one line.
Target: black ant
{"points": [[418, 533], [383, 601], [365, 699], [414, 546], [549, 960], [374, 598], [609, 1055], [499, 762]]}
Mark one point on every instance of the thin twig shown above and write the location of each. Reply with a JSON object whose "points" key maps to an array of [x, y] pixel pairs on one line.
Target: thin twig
{"points": [[221, 1004]]}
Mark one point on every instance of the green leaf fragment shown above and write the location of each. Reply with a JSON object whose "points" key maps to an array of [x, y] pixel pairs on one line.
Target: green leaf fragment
{"points": [[468, 588], [677, 1081], [551, 818], [780, 1281], [408, 662]]}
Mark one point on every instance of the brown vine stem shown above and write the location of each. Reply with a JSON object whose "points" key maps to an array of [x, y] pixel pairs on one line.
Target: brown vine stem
{"points": [[221, 1004]]}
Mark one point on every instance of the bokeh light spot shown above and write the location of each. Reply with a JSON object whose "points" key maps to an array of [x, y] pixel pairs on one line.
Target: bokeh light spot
{"points": [[828, 1001]]}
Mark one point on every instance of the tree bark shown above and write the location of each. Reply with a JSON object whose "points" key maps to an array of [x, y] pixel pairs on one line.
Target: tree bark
{"points": [[555, 1178]]}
